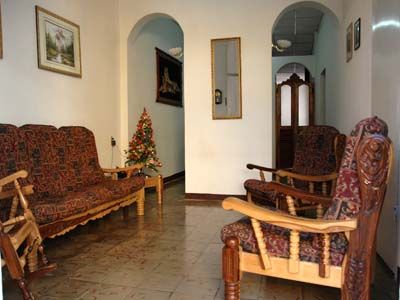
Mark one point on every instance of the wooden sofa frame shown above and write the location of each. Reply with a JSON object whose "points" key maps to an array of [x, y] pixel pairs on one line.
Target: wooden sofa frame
{"points": [[65, 225]]}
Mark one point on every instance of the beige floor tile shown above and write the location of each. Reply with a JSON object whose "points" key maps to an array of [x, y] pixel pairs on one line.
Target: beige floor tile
{"points": [[161, 282], [199, 286], [106, 292], [141, 294]]}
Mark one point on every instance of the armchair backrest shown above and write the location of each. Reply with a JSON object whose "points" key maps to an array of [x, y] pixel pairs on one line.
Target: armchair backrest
{"points": [[315, 152], [360, 154], [360, 192]]}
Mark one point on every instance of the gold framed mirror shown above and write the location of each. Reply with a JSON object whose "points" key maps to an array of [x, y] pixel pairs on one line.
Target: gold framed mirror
{"points": [[226, 76]]}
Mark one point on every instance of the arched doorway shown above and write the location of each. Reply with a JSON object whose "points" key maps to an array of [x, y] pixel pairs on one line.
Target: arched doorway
{"points": [[307, 34], [156, 33]]}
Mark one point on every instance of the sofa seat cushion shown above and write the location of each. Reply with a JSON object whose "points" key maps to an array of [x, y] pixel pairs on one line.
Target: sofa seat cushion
{"points": [[74, 203], [277, 241]]}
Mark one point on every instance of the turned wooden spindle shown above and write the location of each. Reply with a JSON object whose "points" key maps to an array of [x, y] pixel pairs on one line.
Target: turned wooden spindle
{"points": [[291, 206], [261, 243], [320, 211], [14, 206], [325, 188], [311, 187], [140, 203], [294, 251], [326, 253], [262, 176]]}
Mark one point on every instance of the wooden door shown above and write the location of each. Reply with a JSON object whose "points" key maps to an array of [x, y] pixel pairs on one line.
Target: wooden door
{"points": [[294, 108]]}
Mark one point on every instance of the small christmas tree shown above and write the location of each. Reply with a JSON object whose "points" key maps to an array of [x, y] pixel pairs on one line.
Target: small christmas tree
{"points": [[142, 148]]}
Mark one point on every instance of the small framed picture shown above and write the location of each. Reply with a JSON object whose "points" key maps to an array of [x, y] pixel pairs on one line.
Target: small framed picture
{"points": [[357, 34], [349, 43], [58, 43]]}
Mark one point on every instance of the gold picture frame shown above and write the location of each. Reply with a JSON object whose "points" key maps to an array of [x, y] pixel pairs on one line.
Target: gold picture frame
{"points": [[58, 44], [349, 42], [220, 94]]}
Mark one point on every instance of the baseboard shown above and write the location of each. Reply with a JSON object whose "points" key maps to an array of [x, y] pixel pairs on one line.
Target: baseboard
{"points": [[200, 196], [174, 177]]}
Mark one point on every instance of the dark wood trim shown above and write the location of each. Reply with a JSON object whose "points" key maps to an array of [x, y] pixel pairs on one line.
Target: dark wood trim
{"points": [[174, 177], [201, 196]]}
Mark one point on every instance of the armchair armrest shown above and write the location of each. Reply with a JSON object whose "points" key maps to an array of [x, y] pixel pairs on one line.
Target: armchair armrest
{"points": [[288, 221], [11, 178], [300, 194], [318, 178], [265, 169]]}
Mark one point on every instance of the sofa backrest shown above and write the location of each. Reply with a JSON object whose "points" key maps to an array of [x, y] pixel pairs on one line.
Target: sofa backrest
{"points": [[83, 162], [57, 160]]}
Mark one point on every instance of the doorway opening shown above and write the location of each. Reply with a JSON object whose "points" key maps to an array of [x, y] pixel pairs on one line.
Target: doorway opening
{"points": [[305, 40], [152, 35]]}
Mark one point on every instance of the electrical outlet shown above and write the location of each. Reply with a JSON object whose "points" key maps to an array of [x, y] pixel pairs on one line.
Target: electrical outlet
{"points": [[397, 212], [113, 142]]}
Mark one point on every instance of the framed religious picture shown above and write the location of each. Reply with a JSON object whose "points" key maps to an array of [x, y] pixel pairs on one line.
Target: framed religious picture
{"points": [[58, 43], [357, 34], [349, 43], [169, 79], [1, 37]]}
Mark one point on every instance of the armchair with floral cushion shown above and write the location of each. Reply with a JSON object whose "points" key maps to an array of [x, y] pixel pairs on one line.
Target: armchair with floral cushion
{"points": [[317, 156], [336, 250], [20, 239]]}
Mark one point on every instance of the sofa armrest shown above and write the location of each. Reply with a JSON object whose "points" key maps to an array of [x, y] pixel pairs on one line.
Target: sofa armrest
{"points": [[288, 221], [129, 170], [11, 178]]}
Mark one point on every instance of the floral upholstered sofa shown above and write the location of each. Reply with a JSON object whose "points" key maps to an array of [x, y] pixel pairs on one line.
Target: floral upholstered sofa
{"points": [[66, 185]]}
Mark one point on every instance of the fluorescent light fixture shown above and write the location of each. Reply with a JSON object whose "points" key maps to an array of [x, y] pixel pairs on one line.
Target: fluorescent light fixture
{"points": [[386, 23]]}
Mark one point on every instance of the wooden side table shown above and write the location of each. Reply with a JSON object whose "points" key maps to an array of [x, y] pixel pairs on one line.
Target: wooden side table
{"points": [[158, 183]]}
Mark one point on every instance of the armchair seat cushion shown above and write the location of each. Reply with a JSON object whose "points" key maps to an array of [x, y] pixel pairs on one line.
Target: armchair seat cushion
{"points": [[259, 192], [277, 240], [74, 203]]}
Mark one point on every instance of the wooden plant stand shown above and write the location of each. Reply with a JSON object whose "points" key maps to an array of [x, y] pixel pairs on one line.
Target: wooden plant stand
{"points": [[158, 183]]}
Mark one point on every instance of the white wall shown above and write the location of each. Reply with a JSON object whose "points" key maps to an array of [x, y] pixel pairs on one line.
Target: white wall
{"points": [[168, 121], [326, 52], [355, 94], [386, 104], [216, 152], [31, 95]]}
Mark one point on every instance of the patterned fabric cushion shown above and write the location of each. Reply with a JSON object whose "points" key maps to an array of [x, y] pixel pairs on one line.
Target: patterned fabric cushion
{"points": [[315, 151], [277, 241], [47, 161], [53, 209], [346, 200], [259, 192], [83, 167]]}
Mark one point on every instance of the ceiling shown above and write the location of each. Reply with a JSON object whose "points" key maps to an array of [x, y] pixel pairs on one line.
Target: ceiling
{"points": [[298, 26]]}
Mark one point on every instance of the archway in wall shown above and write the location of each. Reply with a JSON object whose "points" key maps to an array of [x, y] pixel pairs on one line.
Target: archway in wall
{"points": [[158, 33], [307, 33]]}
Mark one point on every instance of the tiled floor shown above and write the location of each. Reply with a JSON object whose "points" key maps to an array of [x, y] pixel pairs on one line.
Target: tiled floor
{"points": [[173, 252]]}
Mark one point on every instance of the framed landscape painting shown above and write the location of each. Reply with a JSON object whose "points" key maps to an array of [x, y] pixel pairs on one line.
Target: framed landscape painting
{"points": [[58, 43], [169, 79]]}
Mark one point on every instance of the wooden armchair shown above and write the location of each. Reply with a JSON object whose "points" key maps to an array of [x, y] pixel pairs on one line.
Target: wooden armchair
{"points": [[334, 251], [20, 240], [318, 153]]}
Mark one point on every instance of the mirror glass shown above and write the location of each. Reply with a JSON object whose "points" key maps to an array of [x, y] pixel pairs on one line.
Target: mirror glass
{"points": [[304, 103], [226, 79], [286, 105]]}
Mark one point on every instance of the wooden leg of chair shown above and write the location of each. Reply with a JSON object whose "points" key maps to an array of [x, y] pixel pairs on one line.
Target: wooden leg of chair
{"points": [[231, 270], [32, 258], [160, 189], [45, 261], [26, 294], [140, 202], [125, 212]]}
